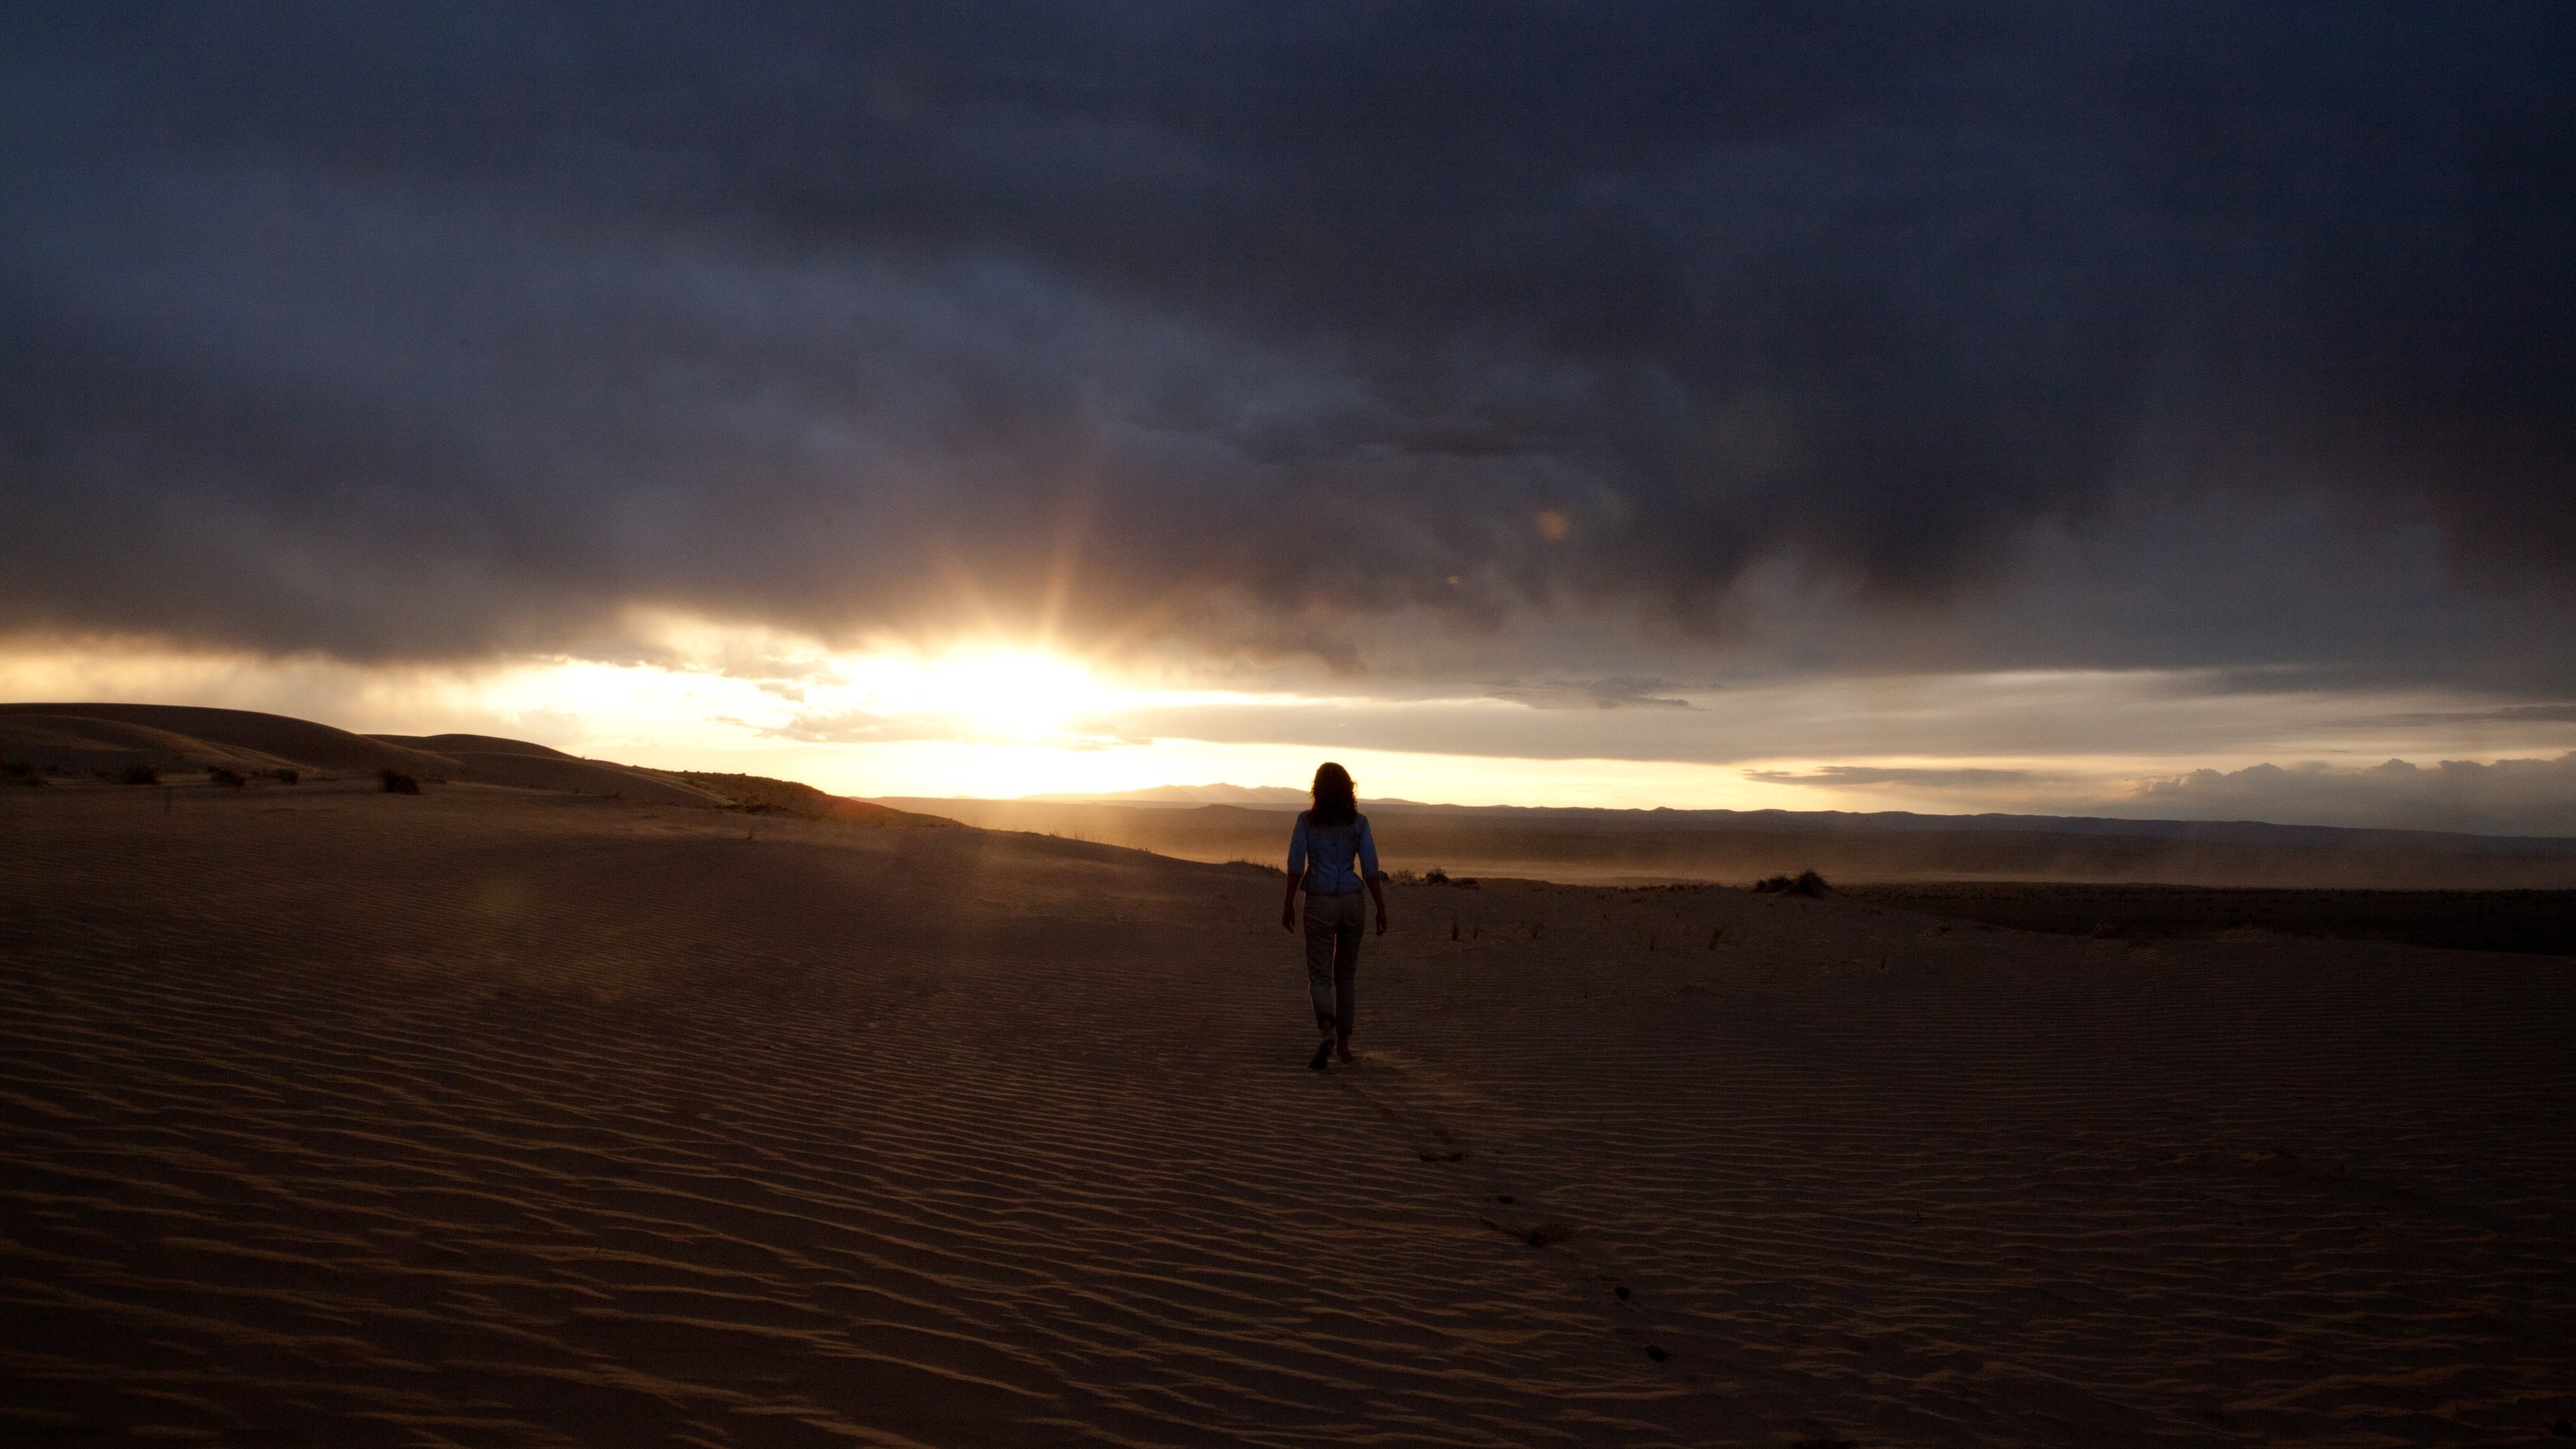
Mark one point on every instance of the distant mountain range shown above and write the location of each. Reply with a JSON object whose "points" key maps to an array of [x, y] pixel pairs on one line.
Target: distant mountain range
{"points": [[1572, 844], [2256, 832]]}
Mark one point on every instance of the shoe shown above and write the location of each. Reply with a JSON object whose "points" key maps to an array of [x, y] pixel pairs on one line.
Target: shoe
{"points": [[1342, 1049], [1323, 1057]]}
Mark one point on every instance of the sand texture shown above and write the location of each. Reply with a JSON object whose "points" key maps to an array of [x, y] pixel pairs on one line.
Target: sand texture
{"points": [[492, 1118]]}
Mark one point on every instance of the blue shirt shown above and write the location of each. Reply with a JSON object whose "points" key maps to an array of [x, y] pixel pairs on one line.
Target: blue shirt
{"points": [[1322, 855]]}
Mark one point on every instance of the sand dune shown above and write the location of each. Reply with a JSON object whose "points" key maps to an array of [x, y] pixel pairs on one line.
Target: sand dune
{"points": [[314, 746], [76, 745], [579, 777], [787, 797], [475, 745], [493, 1118], [491, 760], [92, 739]]}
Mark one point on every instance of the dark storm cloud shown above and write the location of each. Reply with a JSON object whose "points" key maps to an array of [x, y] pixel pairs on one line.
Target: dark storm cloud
{"points": [[404, 332], [1621, 692]]}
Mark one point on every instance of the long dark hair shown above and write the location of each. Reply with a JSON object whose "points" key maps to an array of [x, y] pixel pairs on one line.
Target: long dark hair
{"points": [[1336, 798]]}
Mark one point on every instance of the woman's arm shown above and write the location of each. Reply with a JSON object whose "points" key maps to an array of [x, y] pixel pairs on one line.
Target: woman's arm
{"points": [[1296, 874], [1370, 873]]}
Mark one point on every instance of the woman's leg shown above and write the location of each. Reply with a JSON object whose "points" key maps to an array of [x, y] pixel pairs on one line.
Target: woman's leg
{"points": [[1322, 922], [1346, 966]]}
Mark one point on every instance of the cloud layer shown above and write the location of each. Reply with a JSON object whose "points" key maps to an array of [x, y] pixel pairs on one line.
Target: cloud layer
{"points": [[2508, 797], [424, 335]]}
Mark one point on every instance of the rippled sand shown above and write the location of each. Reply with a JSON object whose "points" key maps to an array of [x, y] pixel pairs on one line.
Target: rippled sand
{"points": [[491, 1119]]}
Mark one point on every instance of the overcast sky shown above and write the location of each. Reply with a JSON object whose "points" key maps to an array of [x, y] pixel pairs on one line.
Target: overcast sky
{"points": [[1536, 382]]}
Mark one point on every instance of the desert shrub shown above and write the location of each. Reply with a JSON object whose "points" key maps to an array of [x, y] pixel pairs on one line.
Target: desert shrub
{"points": [[1265, 869], [398, 783], [230, 779], [1435, 876], [140, 773], [286, 775], [1804, 883]]}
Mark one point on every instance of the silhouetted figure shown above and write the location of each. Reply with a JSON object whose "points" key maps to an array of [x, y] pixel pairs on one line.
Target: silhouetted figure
{"points": [[1330, 856]]}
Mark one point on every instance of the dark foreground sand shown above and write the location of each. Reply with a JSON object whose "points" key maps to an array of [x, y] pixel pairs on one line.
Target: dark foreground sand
{"points": [[485, 1118]]}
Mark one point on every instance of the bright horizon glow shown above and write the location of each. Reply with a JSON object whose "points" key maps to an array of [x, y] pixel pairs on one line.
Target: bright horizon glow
{"points": [[1003, 720]]}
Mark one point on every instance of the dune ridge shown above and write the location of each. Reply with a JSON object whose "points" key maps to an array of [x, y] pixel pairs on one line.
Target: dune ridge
{"points": [[81, 745], [455, 744], [315, 746], [106, 739]]}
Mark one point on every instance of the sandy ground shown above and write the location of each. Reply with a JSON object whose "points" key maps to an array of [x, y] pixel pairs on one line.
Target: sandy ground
{"points": [[2540, 922], [485, 1118]]}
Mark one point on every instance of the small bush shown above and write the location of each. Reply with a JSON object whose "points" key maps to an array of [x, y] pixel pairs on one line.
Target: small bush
{"points": [[140, 773], [398, 783], [1804, 883], [230, 779], [286, 775], [1435, 876]]}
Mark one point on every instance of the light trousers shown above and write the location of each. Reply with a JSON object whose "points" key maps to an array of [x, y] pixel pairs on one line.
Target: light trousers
{"points": [[1333, 958]]}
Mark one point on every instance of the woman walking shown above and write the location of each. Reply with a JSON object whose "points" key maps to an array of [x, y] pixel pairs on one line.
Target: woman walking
{"points": [[1331, 855]]}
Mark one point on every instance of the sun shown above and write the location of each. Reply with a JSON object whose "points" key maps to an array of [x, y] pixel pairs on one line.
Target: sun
{"points": [[1008, 693]]}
